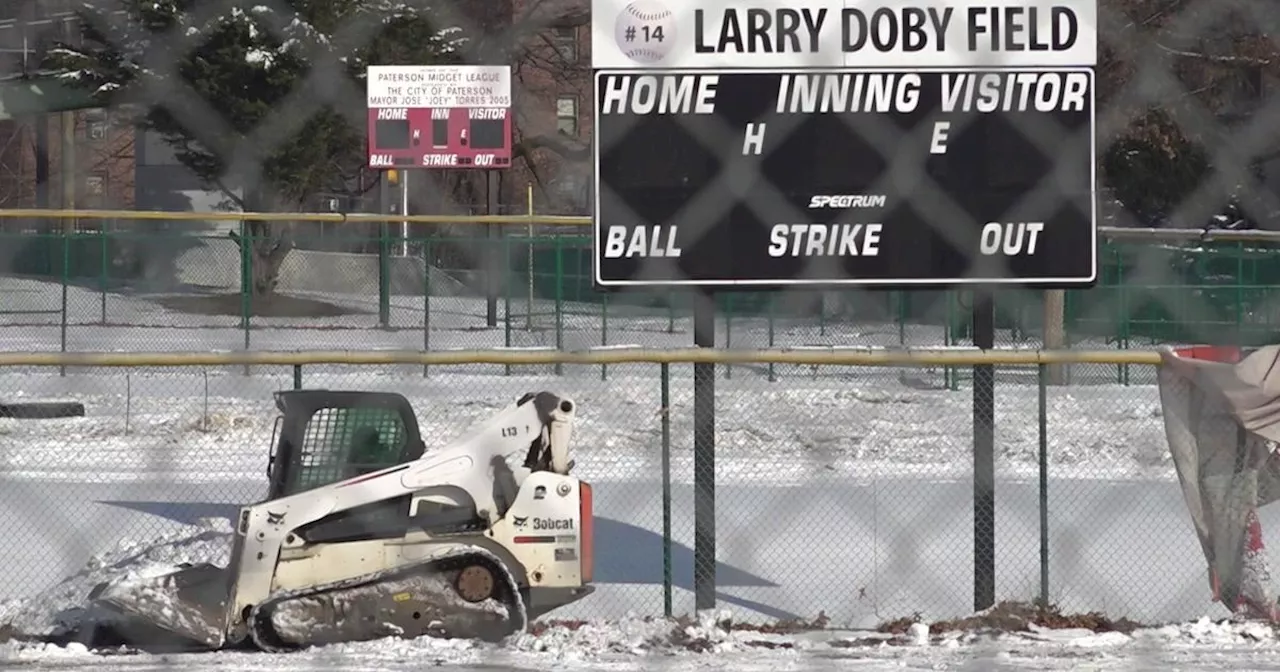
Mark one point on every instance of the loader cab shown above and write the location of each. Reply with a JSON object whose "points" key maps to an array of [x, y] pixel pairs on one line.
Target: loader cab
{"points": [[325, 436]]}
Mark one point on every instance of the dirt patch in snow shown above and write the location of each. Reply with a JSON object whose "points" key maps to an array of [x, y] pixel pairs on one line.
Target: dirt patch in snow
{"points": [[709, 632], [1012, 616], [271, 305]]}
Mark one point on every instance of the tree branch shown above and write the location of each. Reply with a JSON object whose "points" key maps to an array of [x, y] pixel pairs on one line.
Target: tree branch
{"points": [[556, 143], [1225, 60]]}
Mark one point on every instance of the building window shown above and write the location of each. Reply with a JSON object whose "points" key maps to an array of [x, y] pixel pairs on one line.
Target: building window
{"points": [[95, 185], [565, 39], [567, 115], [95, 124]]}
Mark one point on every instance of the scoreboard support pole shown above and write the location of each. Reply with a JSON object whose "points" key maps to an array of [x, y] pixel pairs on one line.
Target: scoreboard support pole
{"points": [[704, 456], [492, 250], [984, 485], [387, 207]]}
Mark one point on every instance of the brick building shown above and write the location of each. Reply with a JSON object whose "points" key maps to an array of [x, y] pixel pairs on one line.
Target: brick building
{"points": [[553, 100], [83, 158]]}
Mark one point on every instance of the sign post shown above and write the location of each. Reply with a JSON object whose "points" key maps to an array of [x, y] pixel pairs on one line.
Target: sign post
{"points": [[827, 144]]}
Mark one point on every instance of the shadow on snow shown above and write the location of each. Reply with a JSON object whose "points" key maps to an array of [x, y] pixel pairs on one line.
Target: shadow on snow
{"points": [[625, 554]]}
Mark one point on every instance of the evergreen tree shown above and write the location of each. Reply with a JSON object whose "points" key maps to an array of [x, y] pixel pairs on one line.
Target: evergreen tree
{"points": [[263, 101]]}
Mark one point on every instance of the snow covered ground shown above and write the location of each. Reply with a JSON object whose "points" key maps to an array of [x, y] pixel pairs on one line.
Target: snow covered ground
{"points": [[663, 646], [844, 492]]}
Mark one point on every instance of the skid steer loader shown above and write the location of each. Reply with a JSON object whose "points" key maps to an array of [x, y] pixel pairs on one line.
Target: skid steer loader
{"points": [[366, 533]]}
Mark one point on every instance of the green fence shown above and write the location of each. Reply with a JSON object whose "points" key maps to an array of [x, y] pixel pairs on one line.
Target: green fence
{"points": [[1147, 293]]}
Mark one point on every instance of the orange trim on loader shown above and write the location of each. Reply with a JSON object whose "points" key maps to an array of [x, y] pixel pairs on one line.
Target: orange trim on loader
{"points": [[586, 540]]}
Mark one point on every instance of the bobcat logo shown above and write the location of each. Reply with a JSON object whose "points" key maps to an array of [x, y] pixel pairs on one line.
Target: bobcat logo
{"points": [[274, 518], [519, 522]]}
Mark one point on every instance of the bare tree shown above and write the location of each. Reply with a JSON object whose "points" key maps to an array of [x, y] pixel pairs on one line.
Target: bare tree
{"points": [[1179, 80]]}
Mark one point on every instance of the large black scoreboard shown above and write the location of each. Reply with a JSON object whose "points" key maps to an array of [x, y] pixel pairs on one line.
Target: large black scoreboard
{"points": [[845, 176]]}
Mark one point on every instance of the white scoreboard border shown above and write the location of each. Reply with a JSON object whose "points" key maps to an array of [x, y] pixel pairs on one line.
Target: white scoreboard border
{"points": [[1093, 181]]}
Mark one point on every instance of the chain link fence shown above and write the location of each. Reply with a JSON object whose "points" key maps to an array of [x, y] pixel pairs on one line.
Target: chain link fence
{"points": [[69, 291], [843, 491]]}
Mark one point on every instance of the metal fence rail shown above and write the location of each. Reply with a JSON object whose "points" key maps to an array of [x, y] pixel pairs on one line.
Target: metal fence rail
{"points": [[847, 494]]}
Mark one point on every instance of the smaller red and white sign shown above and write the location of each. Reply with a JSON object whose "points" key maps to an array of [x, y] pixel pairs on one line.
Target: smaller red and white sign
{"points": [[439, 116]]}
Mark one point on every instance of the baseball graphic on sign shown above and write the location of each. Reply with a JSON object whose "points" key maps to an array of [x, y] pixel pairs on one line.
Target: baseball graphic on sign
{"points": [[646, 31]]}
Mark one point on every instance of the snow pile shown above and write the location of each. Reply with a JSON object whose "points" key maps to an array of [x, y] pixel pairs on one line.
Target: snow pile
{"points": [[1207, 631], [380, 653], [61, 610], [18, 652], [578, 639], [712, 631]]}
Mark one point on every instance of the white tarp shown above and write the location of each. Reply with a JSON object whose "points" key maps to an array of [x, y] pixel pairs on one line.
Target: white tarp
{"points": [[1222, 417]]}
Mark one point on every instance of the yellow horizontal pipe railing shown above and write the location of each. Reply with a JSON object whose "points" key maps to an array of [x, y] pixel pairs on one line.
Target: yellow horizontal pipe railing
{"points": [[1112, 232], [548, 220], [835, 357]]}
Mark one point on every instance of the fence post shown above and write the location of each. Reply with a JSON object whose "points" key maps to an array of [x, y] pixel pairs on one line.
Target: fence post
{"points": [[671, 312], [528, 315], [506, 284], [728, 331], [490, 264], [1042, 417], [559, 300], [822, 316], [1122, 288], [900, 302], [506, 322], [1240, 293], [426, 299], [604, 332], [297, 376], [104, 260], [950, 374], [665, 376], [246, 283], [384, 275], [66, 272], [772, 378]]}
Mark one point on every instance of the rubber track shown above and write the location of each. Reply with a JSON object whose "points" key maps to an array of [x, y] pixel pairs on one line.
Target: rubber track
{"points": [[262, 632]]}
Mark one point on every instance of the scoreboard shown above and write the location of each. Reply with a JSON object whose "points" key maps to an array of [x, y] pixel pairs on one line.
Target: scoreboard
{"points": [[402, 137], [439, 116], [845, 176], [853, 145]]}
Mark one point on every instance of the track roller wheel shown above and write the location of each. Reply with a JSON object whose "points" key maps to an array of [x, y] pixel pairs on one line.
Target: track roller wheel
{"points": [[475, 583]]}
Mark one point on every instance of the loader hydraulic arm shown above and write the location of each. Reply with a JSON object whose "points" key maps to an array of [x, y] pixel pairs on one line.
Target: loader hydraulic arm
{"points": [[549, 450]]}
